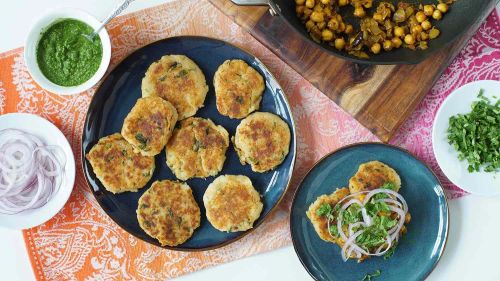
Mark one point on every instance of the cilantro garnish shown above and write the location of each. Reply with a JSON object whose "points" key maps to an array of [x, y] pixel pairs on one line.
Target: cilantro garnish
{"points": [[324, 209], [352, 214], [476, 135], [389, 185], [368, 276]]}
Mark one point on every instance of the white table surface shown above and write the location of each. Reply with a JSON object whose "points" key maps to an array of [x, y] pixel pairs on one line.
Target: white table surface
{"points": [[471, 252]]}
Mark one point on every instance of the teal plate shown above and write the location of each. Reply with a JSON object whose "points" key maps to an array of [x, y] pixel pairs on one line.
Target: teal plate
{"points": [[418, 251]]}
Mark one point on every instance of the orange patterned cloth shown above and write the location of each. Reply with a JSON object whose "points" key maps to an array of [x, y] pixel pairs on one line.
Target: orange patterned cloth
{"points": [[81, 242]]}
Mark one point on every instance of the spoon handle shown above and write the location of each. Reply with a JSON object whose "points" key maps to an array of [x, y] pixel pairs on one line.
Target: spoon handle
{"points": [[118, 10]]}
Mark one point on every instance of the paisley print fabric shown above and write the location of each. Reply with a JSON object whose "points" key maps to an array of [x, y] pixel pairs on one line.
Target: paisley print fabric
{"points": [[82, 243]]}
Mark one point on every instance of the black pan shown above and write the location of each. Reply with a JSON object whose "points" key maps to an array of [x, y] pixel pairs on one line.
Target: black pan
{"points": [[462, 16]]}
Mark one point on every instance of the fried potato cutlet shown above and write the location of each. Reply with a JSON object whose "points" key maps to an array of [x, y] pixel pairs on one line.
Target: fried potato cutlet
{"points": [[197, 149], [372, 175], [232, 203], [118, 167], [262, 140], [149, 125], [320, 223], [179, 80], [238, 89], [168, 212]]}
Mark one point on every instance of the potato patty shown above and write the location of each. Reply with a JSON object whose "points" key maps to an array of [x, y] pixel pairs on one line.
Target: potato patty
{"points": [[118, 167], [238, 89], [372, 175], [149, 125], [197, 149], [232, 203], [262, 140], [320, 223], [177, 79], [168, 212]]}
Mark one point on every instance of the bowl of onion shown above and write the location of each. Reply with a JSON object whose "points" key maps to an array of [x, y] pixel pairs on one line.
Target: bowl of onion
{"points": [[37, 170]]}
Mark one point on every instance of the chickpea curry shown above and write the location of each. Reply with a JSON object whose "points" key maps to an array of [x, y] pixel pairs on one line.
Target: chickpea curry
{"points": [[382, 28]]}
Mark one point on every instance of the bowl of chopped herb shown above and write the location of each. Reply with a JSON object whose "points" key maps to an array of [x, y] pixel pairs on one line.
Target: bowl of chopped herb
{"points": [[466, 137], [58, 55]]}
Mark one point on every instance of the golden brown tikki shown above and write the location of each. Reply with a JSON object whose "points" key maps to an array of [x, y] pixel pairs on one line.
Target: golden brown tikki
{"points": [[232, 203], [118, 167], [320, 223], [372, 175], [197, 149], [177, 79], [262, 140], [168, 212], [238, 89], [149, 125]]}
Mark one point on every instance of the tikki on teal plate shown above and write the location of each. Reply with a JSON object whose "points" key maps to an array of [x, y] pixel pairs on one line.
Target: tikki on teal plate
{"points": [[417, 252]]}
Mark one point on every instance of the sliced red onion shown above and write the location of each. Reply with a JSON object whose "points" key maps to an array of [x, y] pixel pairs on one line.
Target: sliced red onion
{"points": [[339, 219], [30, 172], [387, 191], [396, 203]]}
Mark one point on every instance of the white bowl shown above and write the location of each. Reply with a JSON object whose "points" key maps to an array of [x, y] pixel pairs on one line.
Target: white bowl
{"points": [[34, 36], [459, 101], [50, 135]]}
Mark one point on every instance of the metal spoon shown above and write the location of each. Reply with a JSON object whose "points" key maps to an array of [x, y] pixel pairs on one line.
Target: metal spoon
{"points": [[118, 10]]}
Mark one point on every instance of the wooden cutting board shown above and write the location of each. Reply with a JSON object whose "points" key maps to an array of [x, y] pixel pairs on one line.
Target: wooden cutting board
{"points": [[379, 97]]}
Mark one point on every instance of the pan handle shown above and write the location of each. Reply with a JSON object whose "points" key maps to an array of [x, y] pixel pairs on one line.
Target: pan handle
{"points": [[273, 8]]}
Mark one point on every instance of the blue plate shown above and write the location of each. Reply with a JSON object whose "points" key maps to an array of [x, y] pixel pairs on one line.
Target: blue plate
{"points": [[119, 92], [418, 251]]}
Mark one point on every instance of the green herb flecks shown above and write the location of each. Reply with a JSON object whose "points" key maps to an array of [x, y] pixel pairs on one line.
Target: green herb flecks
{"points": [[173, 65], [476, 135], [369, 276], [239, 99], [182, 73], [198, 145], [142, 139]]}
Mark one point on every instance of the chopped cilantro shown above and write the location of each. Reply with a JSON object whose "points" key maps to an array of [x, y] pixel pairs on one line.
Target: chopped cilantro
{"points": [[324, 210], [352, 214], [334, 231], [389, 185], [374, 208], [476, 135], [369, 276]]}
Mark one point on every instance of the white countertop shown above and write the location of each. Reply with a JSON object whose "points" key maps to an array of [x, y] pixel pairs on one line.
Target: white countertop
{"points": [[471, 251]]}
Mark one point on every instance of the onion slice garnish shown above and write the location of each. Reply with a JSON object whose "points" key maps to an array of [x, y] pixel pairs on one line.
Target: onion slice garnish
{"points": [[398, 210], [30, 171]]}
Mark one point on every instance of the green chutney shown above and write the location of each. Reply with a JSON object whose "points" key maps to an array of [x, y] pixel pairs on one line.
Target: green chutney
{"points": [[65, 57]]}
